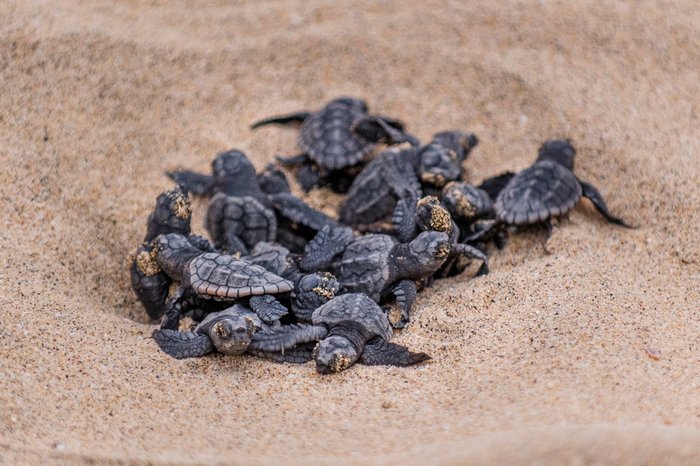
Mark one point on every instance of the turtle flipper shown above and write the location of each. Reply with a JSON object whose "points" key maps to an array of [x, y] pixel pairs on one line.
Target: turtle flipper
{"points": [[286, 336], [393, 122], [404, 219], [195, 183], [494, 185], [376, 129], [405, 292], [298, 211], [291, 119], [267, 308], [596, 198], [380, 352], [298, 355], [466, 251], [232, 244], [182, 345], [328, 243]]}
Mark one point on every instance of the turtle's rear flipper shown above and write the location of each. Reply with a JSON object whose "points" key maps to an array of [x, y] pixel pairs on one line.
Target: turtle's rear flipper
{"points": [[375, 129], [596, 198], [470, 252], [298, 211], [267, 308], [328, 243], [182, 345], [286, 337], [195, 183], [379, 352], [291, 119], [297, 355]]}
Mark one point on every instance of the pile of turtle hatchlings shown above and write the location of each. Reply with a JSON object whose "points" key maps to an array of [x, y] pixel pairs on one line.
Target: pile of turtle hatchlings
{"points": [[280, 280]]}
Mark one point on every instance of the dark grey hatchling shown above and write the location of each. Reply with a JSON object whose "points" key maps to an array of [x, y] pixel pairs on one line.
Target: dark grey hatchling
{"points": [[357, 330], [548, 189], [377, 265], [400, 176], [237, 330], [247, 208], [172, 214], [213, 276], [335, 139]]}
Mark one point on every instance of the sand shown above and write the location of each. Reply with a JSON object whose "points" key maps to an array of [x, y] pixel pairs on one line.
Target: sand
{"points": [[585, 350]]}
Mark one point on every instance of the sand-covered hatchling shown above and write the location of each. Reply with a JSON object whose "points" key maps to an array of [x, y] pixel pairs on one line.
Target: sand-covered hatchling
{"points": [[357, 330], [172, 214], [377, 265], [548, 189], [336, 138]]}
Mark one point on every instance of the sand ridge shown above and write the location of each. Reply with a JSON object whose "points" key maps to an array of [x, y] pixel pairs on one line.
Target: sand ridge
{"points": [[591, 343]]}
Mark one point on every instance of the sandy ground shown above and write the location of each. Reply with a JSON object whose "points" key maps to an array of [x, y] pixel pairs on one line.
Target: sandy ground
{"points": [[583, 351]]}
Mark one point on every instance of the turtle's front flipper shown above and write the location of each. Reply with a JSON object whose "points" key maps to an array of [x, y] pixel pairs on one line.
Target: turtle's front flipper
{"points": [[466, 251], [380, 352], [494, 185], [297, 355], [291, 207], [267, 308], [405, 292], [596, 198], [404, 220], [195, 183], [393, 122], [328, 243], [182, 345], [286, 336], [291, 119], [375, 129], [231, 244]]}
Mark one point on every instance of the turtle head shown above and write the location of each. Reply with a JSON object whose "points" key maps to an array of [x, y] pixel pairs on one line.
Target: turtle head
{"points": [[312, 291], [334, 354], [465, 201], [232, 335], [349, 102], [429, 251], [561, 151], [172, 214], [438, 165], [173, 251], [459, 142], [430, 215], [228, 166]]}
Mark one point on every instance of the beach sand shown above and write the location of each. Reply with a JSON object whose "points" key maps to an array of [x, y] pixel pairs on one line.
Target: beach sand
{"points": [[584, 350]]}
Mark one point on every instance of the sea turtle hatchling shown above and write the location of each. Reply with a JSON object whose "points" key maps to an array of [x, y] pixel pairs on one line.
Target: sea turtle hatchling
{"points": [[172, 214], [357, 330], [548, 189], [377, 265], [234, 331], [336, 138], [213, 276], [402, 175]]}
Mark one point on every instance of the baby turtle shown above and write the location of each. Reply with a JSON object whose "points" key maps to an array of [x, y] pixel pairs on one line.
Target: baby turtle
{"points": [[377, 265], [336, 138], [358, 330], [548, 189], [234, 331], [171, 214], [212, 276], [396, 175]]}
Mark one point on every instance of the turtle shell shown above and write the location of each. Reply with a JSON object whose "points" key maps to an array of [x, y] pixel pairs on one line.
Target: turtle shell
{"points": [[354, 307], [364, 267], [371, 197], [224, 277], [326, 138], [538, 193], [243, 216]]}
